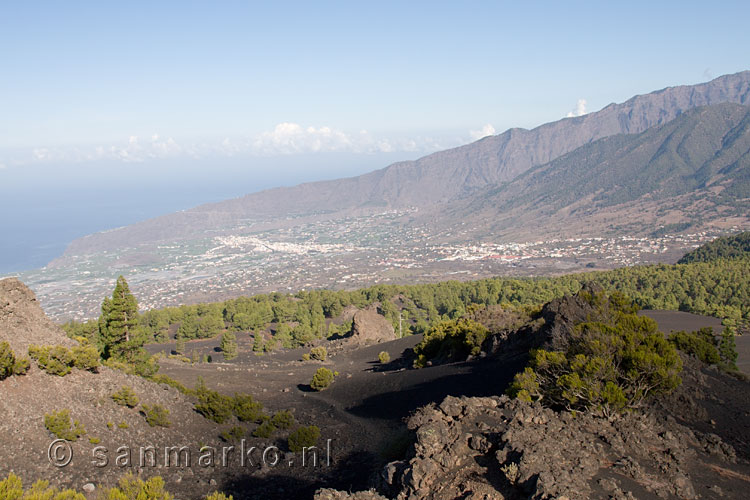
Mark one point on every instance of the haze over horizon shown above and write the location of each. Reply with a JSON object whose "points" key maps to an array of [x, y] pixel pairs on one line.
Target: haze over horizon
{"points": [[112, 113]]}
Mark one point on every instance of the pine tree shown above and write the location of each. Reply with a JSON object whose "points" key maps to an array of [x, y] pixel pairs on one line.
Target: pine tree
{"points": [[258, 342], [119, 319], [229, 345], [179, 347]]}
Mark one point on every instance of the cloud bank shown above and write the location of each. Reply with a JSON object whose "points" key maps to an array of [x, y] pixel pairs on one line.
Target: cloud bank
{"points": [[286, 138]]}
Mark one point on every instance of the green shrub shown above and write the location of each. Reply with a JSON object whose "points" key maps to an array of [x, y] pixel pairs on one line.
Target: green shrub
{"points": [[125, 397], [234, 434], [55, 360], [607, 367], [384, 357], [264, 430], [156, 415], [7, 360], [246, 409], [450, 341], [303, 437], [322, 379], [58, 423], [217, 495], [21, 366], [700, 344], [9, 364], [283, 419], [123, 425], [12, 489], [318, 353], [214, 406], [131, 487], [94, 440], [86, 357], [306, 357]]}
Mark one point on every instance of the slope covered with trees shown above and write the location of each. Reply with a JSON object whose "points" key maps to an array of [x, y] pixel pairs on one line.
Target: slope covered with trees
{"points": [[727, 247]]}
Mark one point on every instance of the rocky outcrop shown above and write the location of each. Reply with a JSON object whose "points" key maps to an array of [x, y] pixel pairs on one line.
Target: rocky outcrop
{"points": [[22, 320], [369, 327], [501, 448], [26, 399]]}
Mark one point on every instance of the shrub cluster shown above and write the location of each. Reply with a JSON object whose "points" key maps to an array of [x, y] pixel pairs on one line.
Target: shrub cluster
{"points": [[156, 415], [9, 364], [234, 434], [125, 397], [131, 487], [283, 419], [219, 408], [608, 366], [318, 353], [246, 409], [11, 488], [59, 360], [303, 437], [450, 341], [707, 347], [58, 423], [213, 405], [323, 378], [264, 430]]}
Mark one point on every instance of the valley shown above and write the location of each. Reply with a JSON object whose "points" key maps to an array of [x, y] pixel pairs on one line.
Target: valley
{"points": [[353, 254]]}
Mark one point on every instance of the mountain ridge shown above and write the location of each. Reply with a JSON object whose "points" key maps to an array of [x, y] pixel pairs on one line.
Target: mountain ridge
{"points": [[702, 154], [432, 180]]}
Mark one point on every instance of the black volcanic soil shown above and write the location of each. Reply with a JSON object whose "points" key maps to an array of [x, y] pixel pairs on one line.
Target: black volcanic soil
{"points": [[365, 411]]}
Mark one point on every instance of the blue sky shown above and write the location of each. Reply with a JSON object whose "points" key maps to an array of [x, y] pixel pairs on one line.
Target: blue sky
{"points": [[364, 77], [113, 112]]}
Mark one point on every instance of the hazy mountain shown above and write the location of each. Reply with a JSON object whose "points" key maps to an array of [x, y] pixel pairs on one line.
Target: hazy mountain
{"points": [[441, 177], [692, 170]]}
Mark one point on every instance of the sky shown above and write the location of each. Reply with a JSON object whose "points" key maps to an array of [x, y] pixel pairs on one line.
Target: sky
{"points": [[225, 95]]}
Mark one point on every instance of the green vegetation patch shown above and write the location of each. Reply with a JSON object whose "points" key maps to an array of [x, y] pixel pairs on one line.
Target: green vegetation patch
{"points": [[59, 360], [247, 409], [303, 437], [59, 424], [450, 341], [728, 247], [156, 415], [323, 378], [125, 397], [610, 365], [9, 364], [707, 347]]}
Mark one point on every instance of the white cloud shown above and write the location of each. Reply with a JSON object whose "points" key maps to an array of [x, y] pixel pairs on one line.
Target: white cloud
{"points": [[284, 139], [292, 138], [488, 129], [579, 110], [2, 166]]}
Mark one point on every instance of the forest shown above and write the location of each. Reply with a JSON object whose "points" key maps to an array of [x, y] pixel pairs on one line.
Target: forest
{"points": [[714, 281]]}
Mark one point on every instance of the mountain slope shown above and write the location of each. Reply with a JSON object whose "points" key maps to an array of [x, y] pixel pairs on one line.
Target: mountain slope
{"points": [[695, 168], [432, 180]]}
